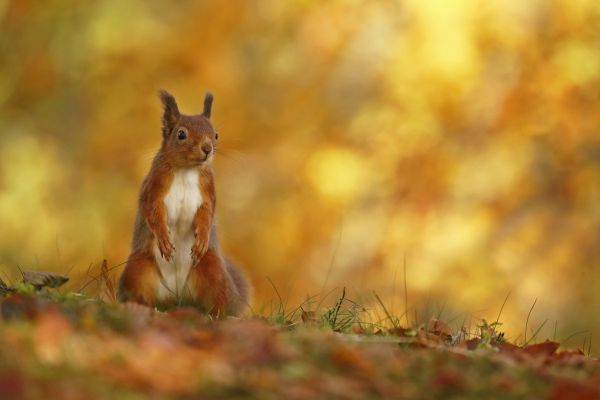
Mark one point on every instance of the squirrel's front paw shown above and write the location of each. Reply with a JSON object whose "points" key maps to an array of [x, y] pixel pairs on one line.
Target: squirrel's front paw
{"points": [[200, 246], [165, 246]]}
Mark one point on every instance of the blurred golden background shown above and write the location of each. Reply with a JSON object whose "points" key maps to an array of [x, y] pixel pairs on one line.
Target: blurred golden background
{"points": [[462, 135]]}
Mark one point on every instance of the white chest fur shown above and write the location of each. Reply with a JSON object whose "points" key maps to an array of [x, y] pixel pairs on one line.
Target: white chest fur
{"points": [[182, 201]]}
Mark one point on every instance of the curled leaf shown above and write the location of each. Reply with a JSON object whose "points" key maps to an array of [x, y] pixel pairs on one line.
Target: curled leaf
{"points": [[40, 279]]}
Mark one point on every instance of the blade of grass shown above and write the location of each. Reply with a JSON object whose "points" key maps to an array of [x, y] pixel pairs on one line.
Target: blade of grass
{"points": [[394, 289], [571, 336], [385, 310], [406, 294], [333, 256], [502, 308], [527, 321], [536, 332], [281, 310]]}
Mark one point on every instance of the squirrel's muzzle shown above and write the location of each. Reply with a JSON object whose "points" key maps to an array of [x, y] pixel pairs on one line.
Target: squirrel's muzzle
{"points": [[207, 148]]}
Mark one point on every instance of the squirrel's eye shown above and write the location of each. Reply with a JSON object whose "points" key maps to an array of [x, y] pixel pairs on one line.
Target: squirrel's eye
{"points": [[181, 134], [216, 135]]}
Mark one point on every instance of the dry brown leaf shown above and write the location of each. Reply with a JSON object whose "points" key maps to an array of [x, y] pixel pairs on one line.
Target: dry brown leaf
{"points": [[546, 348], [107, 288], [439, 327], [40, 279]]}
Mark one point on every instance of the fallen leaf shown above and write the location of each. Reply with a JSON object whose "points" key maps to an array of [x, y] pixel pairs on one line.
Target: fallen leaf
{"points": [[448, 380], [12, 385], [439, 327], [472, 344], [40, 279], [22, 306], [546, 348], [570, 389]]}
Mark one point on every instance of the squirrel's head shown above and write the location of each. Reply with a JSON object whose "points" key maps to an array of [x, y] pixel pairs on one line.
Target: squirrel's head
{"points": [[188, 140]]}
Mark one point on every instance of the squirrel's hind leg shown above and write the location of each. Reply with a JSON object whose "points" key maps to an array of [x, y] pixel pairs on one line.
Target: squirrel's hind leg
{"points": [[213, 287], [140, 280]]}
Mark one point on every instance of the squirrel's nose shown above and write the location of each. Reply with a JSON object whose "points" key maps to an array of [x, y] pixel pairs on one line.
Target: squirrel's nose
{"points": [[207, 148]]}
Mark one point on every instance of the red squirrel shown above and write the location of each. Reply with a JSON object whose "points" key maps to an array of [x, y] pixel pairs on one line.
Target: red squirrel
{"points": [[175, 255]]}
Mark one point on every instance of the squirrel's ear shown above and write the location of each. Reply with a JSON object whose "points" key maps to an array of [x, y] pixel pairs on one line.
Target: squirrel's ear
{"points": [[207, 104], [171, 112]]}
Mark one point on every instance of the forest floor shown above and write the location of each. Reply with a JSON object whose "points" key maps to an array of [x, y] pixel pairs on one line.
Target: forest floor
{"points": [[68, 346]]}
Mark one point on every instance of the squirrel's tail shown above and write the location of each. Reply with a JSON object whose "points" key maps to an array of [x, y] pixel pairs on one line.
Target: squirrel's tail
{"points": [[241, 283]]}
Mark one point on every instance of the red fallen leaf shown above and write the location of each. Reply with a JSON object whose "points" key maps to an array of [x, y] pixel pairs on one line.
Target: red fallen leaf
{"points": [[472, 343], [351, 359], [568, 355], [448, 380], [426, 339], [569, 389], [12, 385], [541, 349], [505, 347], [439, 327]]}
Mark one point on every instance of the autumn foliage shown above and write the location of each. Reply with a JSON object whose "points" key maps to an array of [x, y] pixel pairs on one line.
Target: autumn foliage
{"points": [[441, 154], [69, 346]]}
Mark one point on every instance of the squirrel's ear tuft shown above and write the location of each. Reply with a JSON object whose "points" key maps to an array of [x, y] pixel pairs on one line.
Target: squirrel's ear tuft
{"points": [[208, 100], [170, 114]]}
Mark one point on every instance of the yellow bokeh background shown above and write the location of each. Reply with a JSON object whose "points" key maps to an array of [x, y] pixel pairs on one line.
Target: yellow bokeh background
{"points": [[461, 136]]}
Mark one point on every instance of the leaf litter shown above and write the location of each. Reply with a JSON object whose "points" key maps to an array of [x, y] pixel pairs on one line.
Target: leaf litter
{"points": [[70, 346]]}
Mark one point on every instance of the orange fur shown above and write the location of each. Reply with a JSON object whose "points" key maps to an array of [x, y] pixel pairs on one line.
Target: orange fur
{"points": [[212, 283], [139, 282]]}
